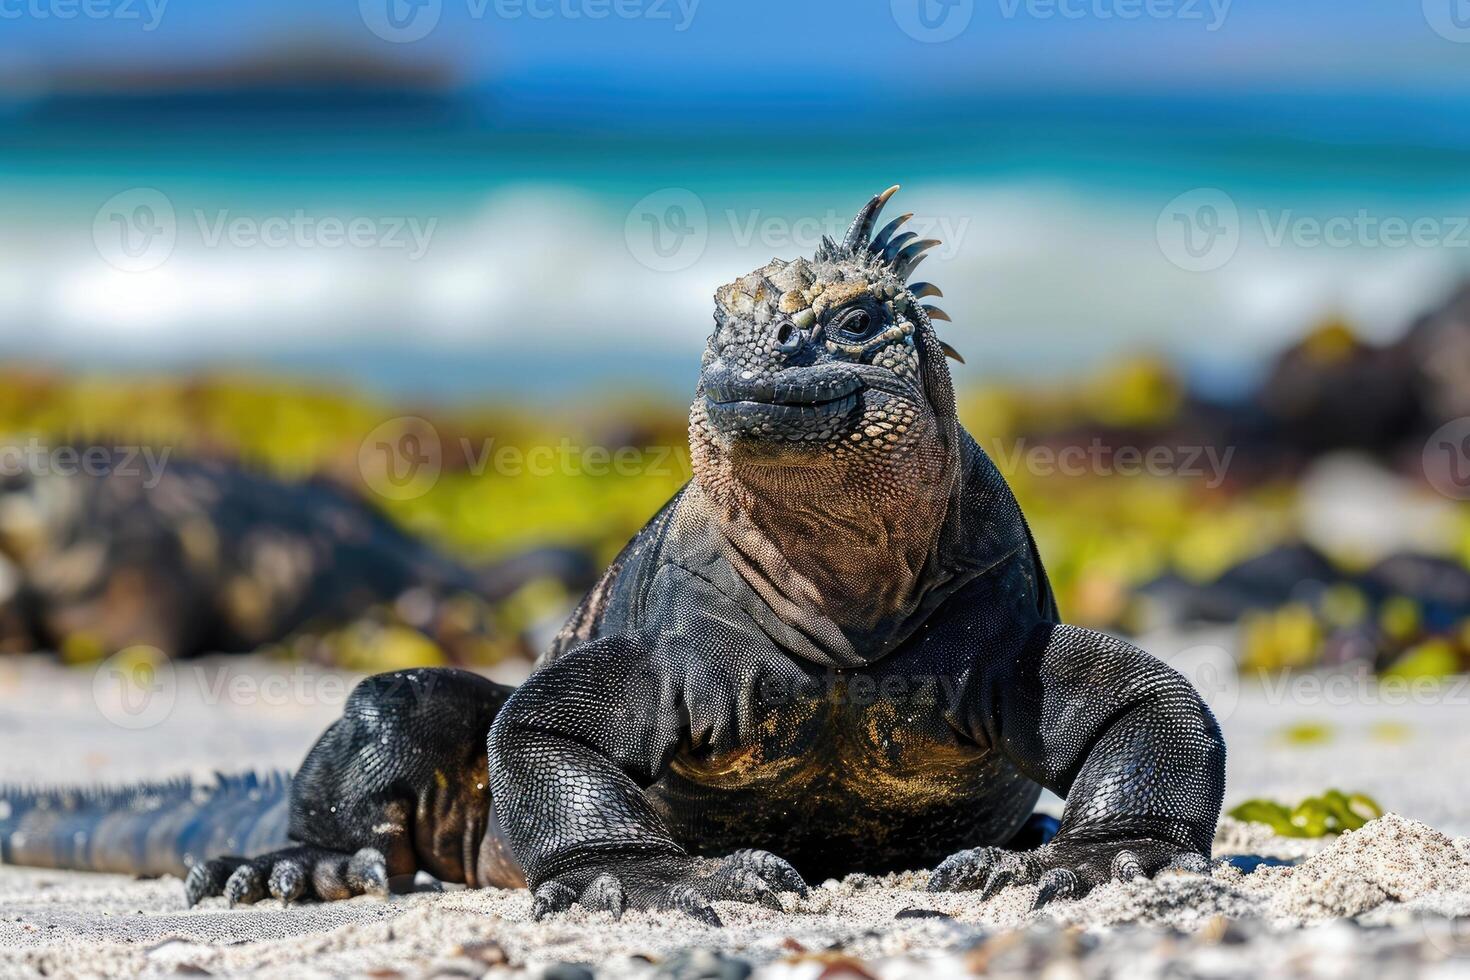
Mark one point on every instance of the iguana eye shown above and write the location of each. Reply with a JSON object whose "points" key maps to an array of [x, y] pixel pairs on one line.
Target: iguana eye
{"points": [[856, 324]]}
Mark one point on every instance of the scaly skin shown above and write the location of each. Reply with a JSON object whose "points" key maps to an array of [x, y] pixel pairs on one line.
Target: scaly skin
{"points": [[396, 786], [835, 650], [148, 829]]}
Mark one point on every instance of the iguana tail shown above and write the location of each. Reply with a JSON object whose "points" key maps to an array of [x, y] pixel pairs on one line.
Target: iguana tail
{"points": [[144, 829]]}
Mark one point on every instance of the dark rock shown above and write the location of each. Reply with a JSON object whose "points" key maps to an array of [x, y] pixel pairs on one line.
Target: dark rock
{"points": [[196, 556], [1267, 581], [703, 964]]}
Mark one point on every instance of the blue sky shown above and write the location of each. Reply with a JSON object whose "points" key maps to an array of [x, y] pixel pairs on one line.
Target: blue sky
{"points": [[730, 47]]}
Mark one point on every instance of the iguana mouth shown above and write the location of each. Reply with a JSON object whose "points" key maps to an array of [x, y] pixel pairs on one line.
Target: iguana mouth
{"points": [[797, 396]]}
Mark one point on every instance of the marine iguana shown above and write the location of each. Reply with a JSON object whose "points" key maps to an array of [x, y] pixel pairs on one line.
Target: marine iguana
{"points": [[835, 650], [208, 556]]}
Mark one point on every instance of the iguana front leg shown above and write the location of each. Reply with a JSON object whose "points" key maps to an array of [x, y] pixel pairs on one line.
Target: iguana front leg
{"points": [[1124, 738], [570, 755], [393, 787]]}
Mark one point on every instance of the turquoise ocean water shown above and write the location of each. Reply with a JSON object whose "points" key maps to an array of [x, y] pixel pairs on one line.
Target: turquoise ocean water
{"points": [[530, 279]]}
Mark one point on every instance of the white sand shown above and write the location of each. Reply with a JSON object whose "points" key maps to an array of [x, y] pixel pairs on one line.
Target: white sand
{"points": [[1373, 903]]}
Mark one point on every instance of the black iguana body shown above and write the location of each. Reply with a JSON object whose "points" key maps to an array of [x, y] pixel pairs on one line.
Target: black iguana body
{"points": [[835, 650], [206, 556]]}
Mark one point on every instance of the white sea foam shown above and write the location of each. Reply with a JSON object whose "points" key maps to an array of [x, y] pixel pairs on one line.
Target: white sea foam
{"points": [[1037, 276]]}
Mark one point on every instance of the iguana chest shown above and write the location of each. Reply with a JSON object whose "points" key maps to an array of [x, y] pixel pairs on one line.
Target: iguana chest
{"points": [[835, 739], [851, 771]]}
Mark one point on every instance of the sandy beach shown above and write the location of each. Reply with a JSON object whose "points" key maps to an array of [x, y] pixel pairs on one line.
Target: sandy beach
{"points": [[1381, 901]]}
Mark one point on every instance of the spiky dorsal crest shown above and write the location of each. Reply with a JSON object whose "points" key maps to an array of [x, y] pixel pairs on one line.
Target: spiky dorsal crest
{"points": [[901, 252]]}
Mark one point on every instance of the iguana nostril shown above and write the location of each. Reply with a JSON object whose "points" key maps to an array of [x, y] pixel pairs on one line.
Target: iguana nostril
{"points": [[788, 338]]}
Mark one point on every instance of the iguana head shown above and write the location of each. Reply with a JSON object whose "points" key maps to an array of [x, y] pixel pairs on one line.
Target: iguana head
{"points": [[826, 369]]}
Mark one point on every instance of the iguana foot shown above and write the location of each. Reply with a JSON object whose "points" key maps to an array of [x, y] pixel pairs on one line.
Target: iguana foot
{"points": [[303, 872], [1061, 869], [681, 884]]}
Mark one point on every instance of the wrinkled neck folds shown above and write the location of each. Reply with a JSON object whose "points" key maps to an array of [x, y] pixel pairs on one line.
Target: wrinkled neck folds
{"points": [[853, 543]]}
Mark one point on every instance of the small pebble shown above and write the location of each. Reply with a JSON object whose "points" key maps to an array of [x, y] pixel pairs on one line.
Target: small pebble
{"points": [[567, 971], [913, 913]]}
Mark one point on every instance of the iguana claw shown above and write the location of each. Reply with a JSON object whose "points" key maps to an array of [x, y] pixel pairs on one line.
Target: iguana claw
{"points": [[290, 874], [687, 885], [1060, 869]]}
